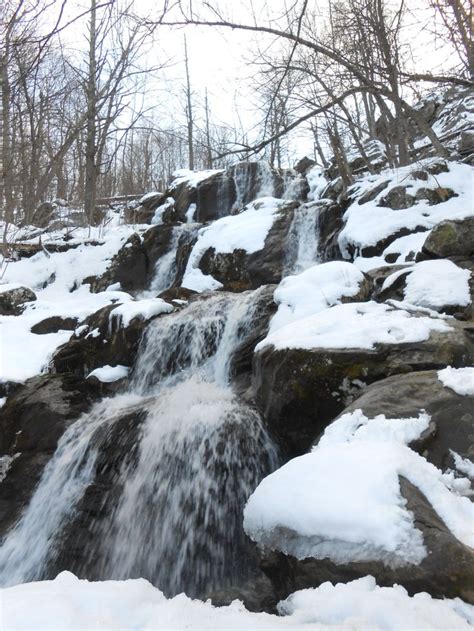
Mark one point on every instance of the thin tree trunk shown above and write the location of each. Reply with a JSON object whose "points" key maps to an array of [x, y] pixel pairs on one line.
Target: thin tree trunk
{"points": [[90, 184], [189, 109]]}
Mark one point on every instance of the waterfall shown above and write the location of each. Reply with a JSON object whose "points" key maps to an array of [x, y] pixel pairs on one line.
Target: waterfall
{"points": [[166, 266], [177, 513], [303, 239]]}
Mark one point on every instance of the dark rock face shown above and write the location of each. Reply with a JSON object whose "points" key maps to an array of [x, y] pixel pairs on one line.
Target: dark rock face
{"points": [[12, 301], [397, 198], [330, 224], [449, 239], [102, 343], [301, 391], [447, 571], [239, 271], [31, 422], [129, 267], [54, 324], [216, 197]]}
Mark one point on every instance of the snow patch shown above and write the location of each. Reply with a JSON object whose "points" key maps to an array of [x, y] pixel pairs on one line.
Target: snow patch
{"points": [[461, 380], [109, 374], [143, 309]]}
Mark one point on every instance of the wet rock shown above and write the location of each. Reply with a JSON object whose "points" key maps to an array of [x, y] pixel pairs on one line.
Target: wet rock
{"points": [[449, 239], [54, 324], [330, 223], [257, 595], [300, 391], [216, 197], [12, 301], [31, 422], [466, 142]]}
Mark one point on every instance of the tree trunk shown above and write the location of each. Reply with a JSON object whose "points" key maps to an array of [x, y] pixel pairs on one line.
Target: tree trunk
{"points": [[90, 184]]}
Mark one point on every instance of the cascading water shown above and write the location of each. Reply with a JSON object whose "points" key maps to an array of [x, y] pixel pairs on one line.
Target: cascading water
{"points": [[201, 451], [166, 266], [303, 239]]}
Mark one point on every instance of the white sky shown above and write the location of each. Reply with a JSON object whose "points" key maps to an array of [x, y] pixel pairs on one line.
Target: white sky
{"points": [[220, 60]]}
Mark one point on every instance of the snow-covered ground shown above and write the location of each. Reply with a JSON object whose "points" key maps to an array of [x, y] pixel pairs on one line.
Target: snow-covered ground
{"points": [[70, 603], [56, 278], [369, 223]]}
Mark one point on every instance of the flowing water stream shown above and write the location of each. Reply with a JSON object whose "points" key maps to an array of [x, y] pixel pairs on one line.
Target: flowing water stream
{"points": [[201, 452]]}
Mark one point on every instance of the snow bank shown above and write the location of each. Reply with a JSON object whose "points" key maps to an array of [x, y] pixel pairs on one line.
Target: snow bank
{"points": [[461, 380], [70, 603], [245, 231], [434, 284], [315, 289], [342, 501], [368, 224], [143, 309], [108, 374], [355, 325], [57, 281]]}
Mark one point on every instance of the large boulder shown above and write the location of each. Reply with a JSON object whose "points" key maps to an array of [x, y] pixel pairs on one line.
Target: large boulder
{"points": [[13, 299], [451, 238], [448, 568], [240, 271], [301, 390], [31, 422]]}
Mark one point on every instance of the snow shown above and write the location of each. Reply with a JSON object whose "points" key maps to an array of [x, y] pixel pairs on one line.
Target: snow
{"points": [[463, 465], [408, 245], [245, 231], [148, 196], [143, 309], [57, 281], [192, 178], [313, 290], [368, 224], [108, 374], [317, 182], [355, 325], [342, 501], [69, 603], [461, 380], [450, 286], [158, 216]]}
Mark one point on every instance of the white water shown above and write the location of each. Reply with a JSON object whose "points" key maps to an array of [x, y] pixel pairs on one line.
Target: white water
{"points": [[302, 248], [178, 521]]}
